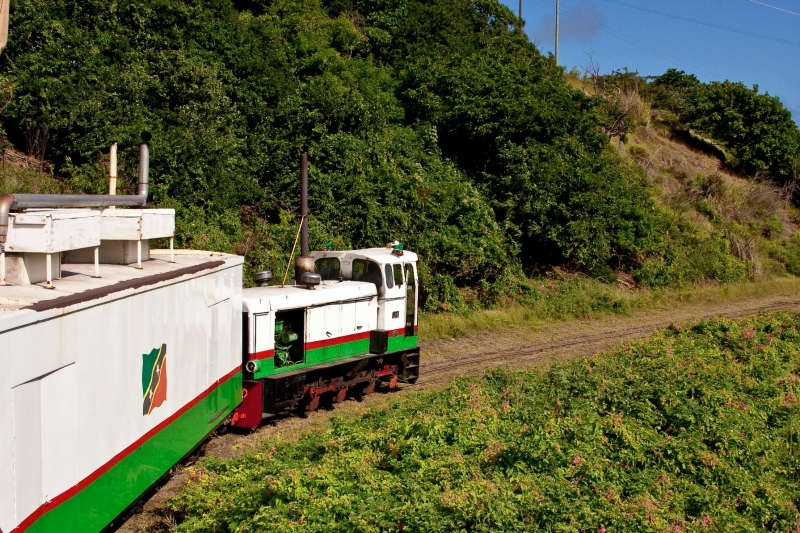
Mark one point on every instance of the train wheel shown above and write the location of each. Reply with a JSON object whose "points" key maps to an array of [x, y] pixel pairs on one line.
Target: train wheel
{"points": [[369, 388], [313, 404], [340, 396]]}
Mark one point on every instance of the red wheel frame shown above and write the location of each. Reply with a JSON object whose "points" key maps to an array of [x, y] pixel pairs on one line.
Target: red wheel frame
{"points": [[340, 396], [313, 404]]}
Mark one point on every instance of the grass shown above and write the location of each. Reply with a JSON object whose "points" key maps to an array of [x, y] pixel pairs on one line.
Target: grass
{"points": [[579, 298], [693, 429]]}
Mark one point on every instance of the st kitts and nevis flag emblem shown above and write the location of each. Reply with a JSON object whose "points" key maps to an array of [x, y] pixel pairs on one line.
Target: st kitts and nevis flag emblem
{"points": [[154, 379]]}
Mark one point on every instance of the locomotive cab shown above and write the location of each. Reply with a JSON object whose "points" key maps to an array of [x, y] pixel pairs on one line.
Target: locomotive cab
{"points": [[394, 274]]}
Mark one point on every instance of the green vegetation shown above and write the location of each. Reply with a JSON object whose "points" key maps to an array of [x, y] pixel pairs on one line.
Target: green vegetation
{"points": [[756, 129], [718, 220], [692, 430], [436, 123]]}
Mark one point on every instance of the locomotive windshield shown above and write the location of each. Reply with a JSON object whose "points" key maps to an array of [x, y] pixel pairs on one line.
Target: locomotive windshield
{"points": [[370, 271], [328, 268]]}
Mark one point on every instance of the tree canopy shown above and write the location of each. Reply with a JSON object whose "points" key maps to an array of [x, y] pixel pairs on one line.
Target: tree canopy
{"points": [[434, 122]]}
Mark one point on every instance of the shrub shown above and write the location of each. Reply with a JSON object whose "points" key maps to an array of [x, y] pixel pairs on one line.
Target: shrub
{"points": [[656, 273], [771, 227], [639, 152], [690, 257], [787, 253], [442, 294], [756, 128]]}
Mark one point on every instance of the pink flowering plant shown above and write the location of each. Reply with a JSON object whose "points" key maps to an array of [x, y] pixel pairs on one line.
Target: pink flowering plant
{"points": [[692, 430]]}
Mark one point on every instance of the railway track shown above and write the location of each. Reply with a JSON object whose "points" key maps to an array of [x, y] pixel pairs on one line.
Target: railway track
{"points": [[433, 372]]}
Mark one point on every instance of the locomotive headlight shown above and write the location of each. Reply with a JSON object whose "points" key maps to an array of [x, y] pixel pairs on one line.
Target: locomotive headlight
{"points": [[262, 277]]}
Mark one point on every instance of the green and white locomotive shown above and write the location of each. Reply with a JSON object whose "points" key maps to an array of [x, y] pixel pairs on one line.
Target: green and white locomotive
{"points": [[349, 330]]}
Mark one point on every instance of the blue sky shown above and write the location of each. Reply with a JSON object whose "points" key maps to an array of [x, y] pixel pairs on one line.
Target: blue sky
{"points": [[619, 35]]}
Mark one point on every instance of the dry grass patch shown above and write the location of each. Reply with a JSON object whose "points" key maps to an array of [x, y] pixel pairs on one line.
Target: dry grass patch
{"points": [[627, 302]]}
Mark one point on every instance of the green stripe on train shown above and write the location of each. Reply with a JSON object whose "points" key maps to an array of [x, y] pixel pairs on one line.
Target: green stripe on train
{"points": [[345, 350], [97, 505], [402, 342], [316, 356]]}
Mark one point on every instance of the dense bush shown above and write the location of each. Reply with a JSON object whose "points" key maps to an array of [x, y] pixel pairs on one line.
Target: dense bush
{"points": [[690, 256], [755, 128], [692, 430], [432, 122], [787, 253]]}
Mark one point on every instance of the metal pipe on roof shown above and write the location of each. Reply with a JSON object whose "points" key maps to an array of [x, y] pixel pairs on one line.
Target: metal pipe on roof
{"points": [[112, 170], [303, 264], [7, 203], [144, 167], [304, 204], [12, 202]]}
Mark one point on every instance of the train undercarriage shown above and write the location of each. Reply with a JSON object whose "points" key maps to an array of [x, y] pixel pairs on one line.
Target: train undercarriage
{"points": [[308, 389]]}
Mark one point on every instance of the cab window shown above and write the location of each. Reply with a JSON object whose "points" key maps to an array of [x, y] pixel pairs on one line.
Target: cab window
{"points": [[364, 270], [411, 294], [328, 268], [398, 275], [389, 276]]}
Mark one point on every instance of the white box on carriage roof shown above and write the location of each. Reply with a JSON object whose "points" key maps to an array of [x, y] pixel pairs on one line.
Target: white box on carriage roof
{"points": [[136, 224], [120, 232], [49, 232], [116, 224]]}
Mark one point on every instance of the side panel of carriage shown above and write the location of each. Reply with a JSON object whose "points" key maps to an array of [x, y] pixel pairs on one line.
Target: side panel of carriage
{"points": [[101, 398]]}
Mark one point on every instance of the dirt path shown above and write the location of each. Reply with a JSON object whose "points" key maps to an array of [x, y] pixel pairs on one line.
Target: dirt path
{"points": [[444, 359]]}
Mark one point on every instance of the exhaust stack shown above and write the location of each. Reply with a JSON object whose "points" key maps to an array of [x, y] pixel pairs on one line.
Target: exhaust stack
{"points": [[303, 264], [304, 205], [12, 202]]}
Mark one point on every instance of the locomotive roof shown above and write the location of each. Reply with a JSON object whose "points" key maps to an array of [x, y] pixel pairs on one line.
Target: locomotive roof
{"points": [[78, 285], [380, 255], [277, 298]]}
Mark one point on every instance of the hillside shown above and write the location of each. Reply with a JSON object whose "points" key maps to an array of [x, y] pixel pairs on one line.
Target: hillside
{"points": [[755, 217], [436, 123]]}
